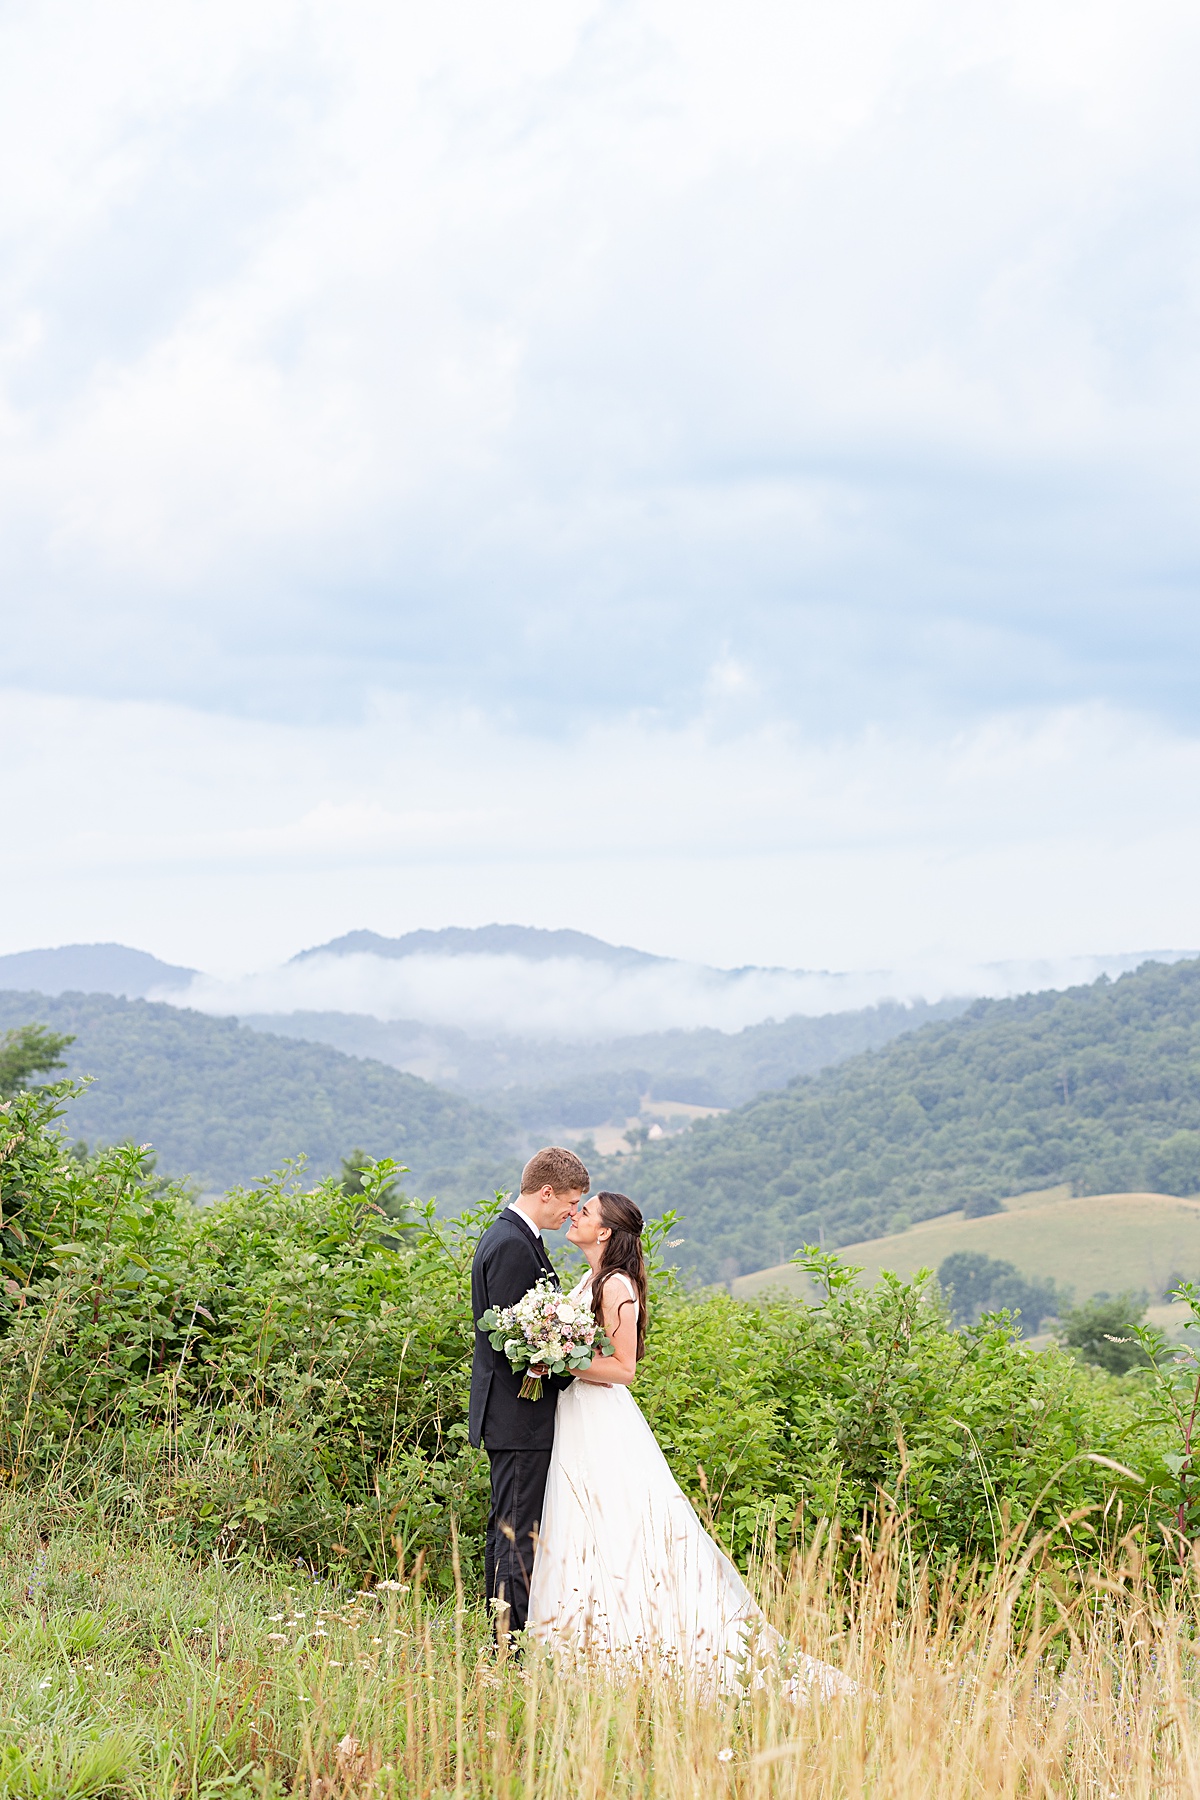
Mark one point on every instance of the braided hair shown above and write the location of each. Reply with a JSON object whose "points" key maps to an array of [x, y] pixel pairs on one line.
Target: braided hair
{"points": [[622, 1254]]}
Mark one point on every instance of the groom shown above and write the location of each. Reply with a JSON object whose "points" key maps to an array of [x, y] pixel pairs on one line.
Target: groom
{"points": [[517, 1434]]}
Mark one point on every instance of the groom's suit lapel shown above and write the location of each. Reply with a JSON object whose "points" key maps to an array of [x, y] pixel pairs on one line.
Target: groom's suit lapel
{"points": [[544, 1258]]}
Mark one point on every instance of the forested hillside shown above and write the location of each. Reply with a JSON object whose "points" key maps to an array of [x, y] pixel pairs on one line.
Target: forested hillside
{"points": [[1098, 1087], [537, 1082], [224, 1104]]}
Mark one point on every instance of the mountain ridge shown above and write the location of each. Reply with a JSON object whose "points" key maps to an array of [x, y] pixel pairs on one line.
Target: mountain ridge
{"points": [[118, 969], [532, 942]]}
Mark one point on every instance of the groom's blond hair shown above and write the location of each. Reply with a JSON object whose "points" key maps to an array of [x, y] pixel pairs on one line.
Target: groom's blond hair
{"points": [[557, 1168]]}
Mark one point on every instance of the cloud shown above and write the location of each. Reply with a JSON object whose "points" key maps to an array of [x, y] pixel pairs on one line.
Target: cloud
{"points": [[228, 844], [593, 351], [729, 488], [571, 999]]}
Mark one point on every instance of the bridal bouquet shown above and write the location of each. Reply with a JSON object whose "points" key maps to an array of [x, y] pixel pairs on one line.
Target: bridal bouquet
{"points": [[545, 1333]]}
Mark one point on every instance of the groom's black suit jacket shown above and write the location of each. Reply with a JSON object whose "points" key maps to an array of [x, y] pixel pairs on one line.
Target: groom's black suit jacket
{"points": [[508, 1260]]}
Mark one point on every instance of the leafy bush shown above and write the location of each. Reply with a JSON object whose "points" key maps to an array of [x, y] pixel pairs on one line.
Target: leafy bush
{"points": [[1102, 1331], [974, 1284], [29, 1050], [871, 1401], [263, 1371], [981, 1206]]}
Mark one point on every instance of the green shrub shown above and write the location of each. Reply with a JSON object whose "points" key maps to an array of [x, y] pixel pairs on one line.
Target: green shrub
{"points": [[975, 1283], [871, 1400], [1101, 1331]]}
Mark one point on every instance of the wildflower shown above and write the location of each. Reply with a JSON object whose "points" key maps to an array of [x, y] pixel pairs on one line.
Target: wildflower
{"points": [[274, 1618], [392, 1587], [43, 1684], [725, 1755], [276, 1637]]}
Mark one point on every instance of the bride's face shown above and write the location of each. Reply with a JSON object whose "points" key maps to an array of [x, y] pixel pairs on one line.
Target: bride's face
{"points": [[588, 1229]]}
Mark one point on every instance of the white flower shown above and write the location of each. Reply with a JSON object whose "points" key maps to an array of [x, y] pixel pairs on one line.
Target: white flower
{"points": [[565, 1312], [725, 1755]]}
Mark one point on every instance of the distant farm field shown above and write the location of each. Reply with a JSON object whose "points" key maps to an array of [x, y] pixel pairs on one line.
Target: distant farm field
{"points": [[1103, 1242]]}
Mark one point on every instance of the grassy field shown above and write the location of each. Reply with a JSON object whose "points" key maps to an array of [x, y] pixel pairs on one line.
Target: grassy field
{"points": [[1105, 1242], [128, 1672]]}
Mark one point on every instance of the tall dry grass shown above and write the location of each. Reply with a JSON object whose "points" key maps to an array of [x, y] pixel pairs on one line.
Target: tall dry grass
{"points": [[126, 1671]]}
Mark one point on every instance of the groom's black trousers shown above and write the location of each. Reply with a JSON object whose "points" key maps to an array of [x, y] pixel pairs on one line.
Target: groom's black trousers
{"points": [[518, 1490]]}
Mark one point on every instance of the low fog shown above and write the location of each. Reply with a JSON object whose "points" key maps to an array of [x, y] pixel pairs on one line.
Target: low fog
{"points": [[568, 998]]}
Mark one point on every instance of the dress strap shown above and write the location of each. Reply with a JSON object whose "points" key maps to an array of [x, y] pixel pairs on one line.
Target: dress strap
{"points": [[630, 1290]]}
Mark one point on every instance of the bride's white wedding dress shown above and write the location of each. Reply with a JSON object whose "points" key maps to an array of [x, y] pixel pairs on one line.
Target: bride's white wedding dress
{"points": [[623, 1566]]}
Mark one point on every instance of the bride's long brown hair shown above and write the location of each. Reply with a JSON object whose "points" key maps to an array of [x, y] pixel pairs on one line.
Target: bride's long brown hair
{"points": [[622, 1254]]}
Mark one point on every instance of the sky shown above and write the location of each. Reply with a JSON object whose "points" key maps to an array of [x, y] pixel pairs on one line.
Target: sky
{"points": [[717, 477]]}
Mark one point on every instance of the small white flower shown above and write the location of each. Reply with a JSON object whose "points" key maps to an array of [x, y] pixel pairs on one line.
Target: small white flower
{"points": [[43, 1684], [725, 1755]]}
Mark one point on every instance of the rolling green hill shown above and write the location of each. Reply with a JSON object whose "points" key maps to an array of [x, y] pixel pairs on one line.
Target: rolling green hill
{"points": [[224, 1104], [1099, 1243], [1097, 1087]]}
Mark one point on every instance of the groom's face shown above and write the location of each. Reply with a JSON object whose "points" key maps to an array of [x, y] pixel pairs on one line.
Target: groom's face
{"points": [[552, 1210]]}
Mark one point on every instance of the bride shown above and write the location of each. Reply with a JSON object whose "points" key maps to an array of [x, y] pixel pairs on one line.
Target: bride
{"points": [[623, 1565]]}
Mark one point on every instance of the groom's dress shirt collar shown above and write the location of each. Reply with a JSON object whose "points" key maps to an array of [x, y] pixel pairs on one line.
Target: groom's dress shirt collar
{"points": [[514, 1206]]}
